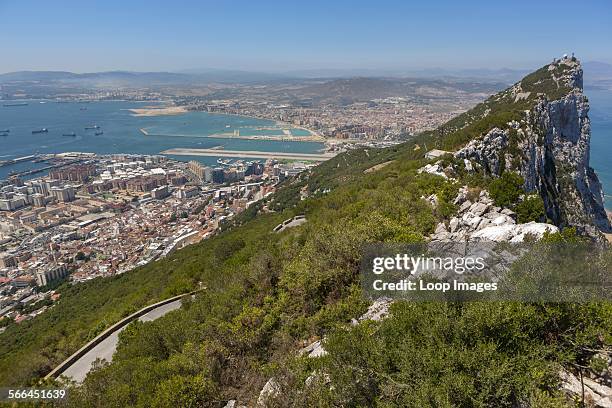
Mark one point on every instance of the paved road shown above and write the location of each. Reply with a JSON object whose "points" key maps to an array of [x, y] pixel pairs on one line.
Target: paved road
{"points": [[105, 350]]}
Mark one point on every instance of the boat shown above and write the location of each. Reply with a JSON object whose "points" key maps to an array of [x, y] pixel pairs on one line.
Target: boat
{"points": [[84, 108], [99, 133], [227, 126], [16, 104], [92, 127], [43, 130], [223, 161], [69, 134], [5, 131]]}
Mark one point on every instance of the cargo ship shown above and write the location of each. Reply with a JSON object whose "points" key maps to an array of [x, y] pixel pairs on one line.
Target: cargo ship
{"points": [[16, 104], [92, 127], [43, 130], [69, 134]]}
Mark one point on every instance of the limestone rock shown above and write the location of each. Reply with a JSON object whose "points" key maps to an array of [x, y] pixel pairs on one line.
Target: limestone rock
{"points": [[377, 311], [550, 150], [269, 393], [441, 228], [435, 169], [314, 349], [596, 394]]}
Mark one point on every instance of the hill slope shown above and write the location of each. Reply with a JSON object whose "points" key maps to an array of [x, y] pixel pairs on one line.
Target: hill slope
{"points": [[270, 294]]}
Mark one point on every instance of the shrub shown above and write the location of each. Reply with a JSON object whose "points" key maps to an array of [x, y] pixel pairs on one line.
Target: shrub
{"points": [[531, 209], [507, 189]]}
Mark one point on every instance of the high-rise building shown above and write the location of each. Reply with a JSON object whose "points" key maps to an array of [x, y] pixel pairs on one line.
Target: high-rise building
{"points": [[7, 261], [197, 169], [63, 194], [208, 171], [39, 200], [160, 193], [218, 175], [48, 275]]}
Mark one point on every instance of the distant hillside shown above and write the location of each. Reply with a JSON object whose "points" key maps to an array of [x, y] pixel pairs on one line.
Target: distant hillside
{"points": [[133, 79], [362, 89]]}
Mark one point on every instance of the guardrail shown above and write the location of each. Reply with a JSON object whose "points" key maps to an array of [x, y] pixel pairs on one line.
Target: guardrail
{"points": [[57, 371]]}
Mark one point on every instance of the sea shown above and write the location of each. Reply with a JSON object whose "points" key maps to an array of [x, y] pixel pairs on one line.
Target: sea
{"points": [[122, 132], [600, 113]]}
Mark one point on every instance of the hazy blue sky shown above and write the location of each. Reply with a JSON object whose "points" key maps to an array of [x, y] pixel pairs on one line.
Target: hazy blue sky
{"points": [[287, 35]]}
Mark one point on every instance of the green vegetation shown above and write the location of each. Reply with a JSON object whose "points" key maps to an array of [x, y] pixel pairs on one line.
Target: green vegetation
{"points": [[268, 294], [507, 189], [530, 209]]}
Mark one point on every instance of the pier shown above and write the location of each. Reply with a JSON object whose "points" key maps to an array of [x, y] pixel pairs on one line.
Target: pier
{"points": [[18, 160], [250, 154]]}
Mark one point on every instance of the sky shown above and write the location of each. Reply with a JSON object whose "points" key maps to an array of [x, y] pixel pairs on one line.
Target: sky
{"points": [[283, 36]]}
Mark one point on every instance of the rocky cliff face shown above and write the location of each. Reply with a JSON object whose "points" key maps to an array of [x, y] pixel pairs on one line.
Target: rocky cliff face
{"points": [[549, 147]]}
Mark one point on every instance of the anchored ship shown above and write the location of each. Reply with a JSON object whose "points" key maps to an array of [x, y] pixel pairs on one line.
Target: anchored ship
{"points": [[43, 130]]}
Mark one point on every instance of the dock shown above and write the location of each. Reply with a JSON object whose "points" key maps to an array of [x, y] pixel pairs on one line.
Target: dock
{"points": [[18, 160], [250, 154]]}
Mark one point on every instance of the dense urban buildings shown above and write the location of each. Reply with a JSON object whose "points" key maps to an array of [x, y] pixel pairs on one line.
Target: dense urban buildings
{"points": [[108, 214]]}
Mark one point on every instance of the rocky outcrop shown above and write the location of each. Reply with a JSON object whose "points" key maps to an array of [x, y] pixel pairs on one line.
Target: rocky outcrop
{"points": [[435, 169], [479, 219], [595, 394], [314, 349], [488, 152], [269, 393], [550, 149], [377, 311]]}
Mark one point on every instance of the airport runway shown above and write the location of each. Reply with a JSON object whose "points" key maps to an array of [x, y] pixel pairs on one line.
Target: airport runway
{"points": [[249, 154]]}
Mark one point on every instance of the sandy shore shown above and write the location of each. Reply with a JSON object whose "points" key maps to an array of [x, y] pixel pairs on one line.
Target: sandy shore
{"points": [[155, 111]]}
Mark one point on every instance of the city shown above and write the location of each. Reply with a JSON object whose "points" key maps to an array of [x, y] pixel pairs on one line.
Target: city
{"points": [[109, 214]]}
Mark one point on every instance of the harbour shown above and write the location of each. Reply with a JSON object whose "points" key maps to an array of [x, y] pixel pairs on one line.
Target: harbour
{"points": [[112, 129]]}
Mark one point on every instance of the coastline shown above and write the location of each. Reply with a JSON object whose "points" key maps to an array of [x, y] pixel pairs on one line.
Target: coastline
{"points": [[179, 110], [278, 123]]}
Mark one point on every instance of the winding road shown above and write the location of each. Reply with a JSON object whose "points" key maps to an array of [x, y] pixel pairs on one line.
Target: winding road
{"points": [[106, 348], [104, 345]]}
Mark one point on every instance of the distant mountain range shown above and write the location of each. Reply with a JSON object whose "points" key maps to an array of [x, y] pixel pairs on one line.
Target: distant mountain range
{"points": [[138, 79], [596, 73]]}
